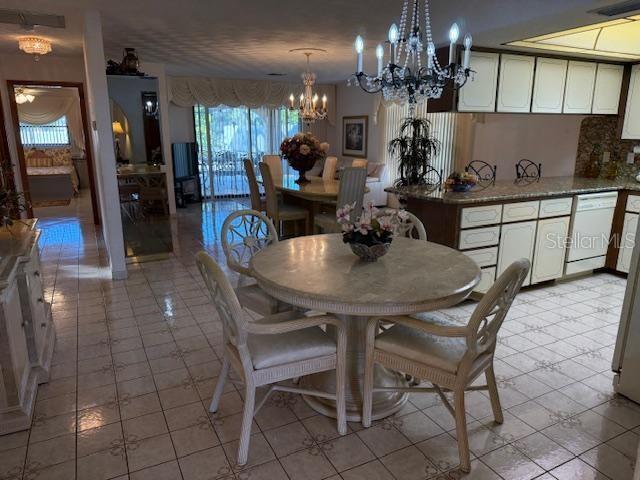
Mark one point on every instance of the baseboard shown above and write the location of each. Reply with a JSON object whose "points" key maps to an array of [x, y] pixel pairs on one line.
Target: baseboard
{"points": [[119, 274]]}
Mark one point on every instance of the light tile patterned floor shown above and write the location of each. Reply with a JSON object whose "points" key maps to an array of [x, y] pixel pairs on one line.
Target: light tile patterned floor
{"points": [[136, 362]]}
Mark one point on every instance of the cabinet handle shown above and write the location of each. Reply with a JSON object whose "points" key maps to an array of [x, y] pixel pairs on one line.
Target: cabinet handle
{"points": [[42, 325], [40, 300], [36, 273], [25, 324]]}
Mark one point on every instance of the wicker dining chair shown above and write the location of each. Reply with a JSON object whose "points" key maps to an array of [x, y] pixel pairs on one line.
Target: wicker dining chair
{"points": [[350, 191], [271, 350], [278, 211], [257, 202], [447, 355], [408, 225], [244, 233], [329, 169], [275, 164], [360, 163]]}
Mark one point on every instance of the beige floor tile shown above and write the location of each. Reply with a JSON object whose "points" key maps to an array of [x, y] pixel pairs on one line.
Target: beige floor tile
{"points": [[185, 415], [138, 406], [383, 438], [206, 464], [50, 427], [408, 464], [149, 452], [102, 465], [194, 438], [347, 452], [98, 416], [102, 438], [576, 470], [259, 452], [442, 451], [50, 452], [509, 463], [13, 440], [544, 451], [610, 461], [267, 471], [289, 438], [61, 471], [12, 462], [309, 464], [164, 471], [321, 428]]}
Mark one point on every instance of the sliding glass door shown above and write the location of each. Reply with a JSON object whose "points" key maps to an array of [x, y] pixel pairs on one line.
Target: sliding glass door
{"points": [[228, 135]]}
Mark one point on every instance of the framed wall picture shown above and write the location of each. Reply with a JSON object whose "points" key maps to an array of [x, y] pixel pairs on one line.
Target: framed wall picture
{"points": [[355, 136]]}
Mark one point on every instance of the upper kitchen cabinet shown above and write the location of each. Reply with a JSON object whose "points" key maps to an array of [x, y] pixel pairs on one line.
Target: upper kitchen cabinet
{"points": [[631, 127], [548, 87], [606, 95], [581, 78], [515, 85], [479, 95]]}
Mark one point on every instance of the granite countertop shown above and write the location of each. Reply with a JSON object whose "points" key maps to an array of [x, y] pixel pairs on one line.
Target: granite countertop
{"points": [[510, 190], [14, 245]]}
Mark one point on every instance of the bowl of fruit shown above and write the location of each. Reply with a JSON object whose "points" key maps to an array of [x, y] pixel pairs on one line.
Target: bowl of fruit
{"points": [[461, 182]]}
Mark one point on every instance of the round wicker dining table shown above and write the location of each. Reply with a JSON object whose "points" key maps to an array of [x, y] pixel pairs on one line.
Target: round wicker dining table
{"points": [[319, 272]]}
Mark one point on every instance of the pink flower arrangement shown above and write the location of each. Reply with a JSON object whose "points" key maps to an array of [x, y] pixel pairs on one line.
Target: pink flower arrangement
{"points": [[372, 227]]}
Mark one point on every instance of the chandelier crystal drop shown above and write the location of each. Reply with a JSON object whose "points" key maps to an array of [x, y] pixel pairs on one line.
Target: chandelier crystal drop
{"points": [[308, 107], [413, 72], [35, 46]]}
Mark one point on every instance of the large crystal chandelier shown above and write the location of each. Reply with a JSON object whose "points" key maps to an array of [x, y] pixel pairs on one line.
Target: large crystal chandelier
{"points": [[35, 46], [308, 106], [408, 75]]}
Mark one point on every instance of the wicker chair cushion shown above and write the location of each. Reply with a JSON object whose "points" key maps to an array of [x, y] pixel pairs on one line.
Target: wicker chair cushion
{"points": [[256, 300], [273, 350], [444, 353]]}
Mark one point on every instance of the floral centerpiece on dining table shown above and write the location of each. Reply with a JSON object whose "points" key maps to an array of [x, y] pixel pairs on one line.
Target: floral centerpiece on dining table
{"points": [[302, 151], [370, 235]]}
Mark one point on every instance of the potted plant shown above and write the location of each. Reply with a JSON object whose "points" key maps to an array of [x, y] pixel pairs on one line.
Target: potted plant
{"points": [[370, 235], [415, 147], [12, 203], [302, 151]]}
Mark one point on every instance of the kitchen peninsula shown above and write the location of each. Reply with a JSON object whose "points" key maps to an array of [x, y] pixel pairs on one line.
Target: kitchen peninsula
{"points": [[564, 225]]}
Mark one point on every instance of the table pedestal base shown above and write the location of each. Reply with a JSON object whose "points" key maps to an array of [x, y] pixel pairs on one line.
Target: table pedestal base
{"points": [[384, 403]]}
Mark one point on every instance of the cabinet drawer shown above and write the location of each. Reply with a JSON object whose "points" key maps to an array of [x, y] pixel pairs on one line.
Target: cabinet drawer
{"points": [[516, 212], [484, 257], [487, 277], [585, 265], [633, 204], [479, 216], [479, 237], [555, 207]]}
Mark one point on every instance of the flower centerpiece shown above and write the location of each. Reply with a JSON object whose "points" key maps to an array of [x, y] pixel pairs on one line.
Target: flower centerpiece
{"points": [[302, 151], [461, 182], [370, 235]]}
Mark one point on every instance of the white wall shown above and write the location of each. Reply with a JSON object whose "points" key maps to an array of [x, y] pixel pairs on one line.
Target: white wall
{"points": [[353, 101], [103, 149], [50, 68], [503, 139], [181, 123]]}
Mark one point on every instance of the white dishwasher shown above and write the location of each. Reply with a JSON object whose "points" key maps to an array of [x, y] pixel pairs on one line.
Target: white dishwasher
{"points": [[591, 231]]}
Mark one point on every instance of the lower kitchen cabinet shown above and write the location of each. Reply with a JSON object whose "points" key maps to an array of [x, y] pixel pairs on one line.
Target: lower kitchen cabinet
{"points": [[516, 241], [627, 241], [549, 254]]}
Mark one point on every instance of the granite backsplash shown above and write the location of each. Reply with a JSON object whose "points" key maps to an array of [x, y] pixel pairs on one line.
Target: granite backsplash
{"points": [[602, 132]]}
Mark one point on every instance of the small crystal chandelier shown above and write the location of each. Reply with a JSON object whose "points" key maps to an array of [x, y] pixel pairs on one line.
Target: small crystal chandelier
{"points": [[308, 106], [407, 77], [35, 46], [22, 97]]}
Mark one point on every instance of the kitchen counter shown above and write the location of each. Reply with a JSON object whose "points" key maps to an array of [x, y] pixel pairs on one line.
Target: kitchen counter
{"points": [[507, 190]]}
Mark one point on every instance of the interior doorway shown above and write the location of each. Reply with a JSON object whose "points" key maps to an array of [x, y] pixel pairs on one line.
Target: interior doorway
{"points": [[54, 149]]}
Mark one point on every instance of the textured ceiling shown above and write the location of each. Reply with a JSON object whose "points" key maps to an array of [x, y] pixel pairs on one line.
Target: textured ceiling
{"points": [[251, 38]]}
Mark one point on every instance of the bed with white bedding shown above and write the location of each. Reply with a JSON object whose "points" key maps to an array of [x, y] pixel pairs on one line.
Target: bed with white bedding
{"points": [[52, 175]]}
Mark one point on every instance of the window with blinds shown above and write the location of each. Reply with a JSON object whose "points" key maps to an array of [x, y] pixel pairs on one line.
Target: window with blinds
{"points": [[443, 126], [51, 134]]}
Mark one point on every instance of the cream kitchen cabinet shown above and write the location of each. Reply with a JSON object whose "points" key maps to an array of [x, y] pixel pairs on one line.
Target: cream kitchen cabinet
{"points": [[548, 87], [578, 95], [26, 331], [516, 241], [631, 127], [516, 82], [606, 94], [479, 93], [550, 249], [627, 241]]}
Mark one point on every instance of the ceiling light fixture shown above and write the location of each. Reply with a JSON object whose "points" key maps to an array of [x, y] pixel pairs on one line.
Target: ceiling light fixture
{"points": [[35, 46], [406, 76], [308, 106], [22, 97]]}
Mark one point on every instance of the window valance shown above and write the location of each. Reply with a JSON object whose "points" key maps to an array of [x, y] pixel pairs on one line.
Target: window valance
{"points": [[212, 92]]}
